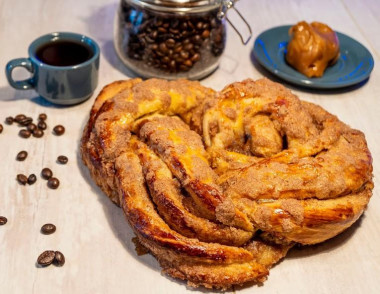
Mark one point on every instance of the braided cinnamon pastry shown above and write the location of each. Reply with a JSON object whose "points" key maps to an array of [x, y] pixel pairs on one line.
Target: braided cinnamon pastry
{"points": [[219, 186]]}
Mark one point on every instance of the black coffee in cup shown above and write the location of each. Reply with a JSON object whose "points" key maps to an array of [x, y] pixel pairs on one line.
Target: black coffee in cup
{"points": [[63, 66], [64, 53]]}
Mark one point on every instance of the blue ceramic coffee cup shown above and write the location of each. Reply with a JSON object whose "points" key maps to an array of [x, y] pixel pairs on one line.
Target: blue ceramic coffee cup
{"points": [[64, 68]]}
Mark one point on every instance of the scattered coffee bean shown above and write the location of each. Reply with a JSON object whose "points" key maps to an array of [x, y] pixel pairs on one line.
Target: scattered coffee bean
{"points": [[9, 120], [22, 155], [1, 128], [31, 127], [48, 229], [3, 220], [24, 133], [42, 125], [53, 183], [59, 130], [32, 179], [62, 159], [38, 133], [46, 258], [25, 121], [19, 117], [42, 116], [46, 173], [22, 179], [59, 259]]}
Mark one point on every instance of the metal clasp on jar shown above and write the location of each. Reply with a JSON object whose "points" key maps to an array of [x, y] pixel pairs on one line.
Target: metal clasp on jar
{"points": [[228, 4]]}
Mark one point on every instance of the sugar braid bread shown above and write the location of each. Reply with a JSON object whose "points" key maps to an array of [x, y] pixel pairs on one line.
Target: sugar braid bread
{"points": [[219, 186]]}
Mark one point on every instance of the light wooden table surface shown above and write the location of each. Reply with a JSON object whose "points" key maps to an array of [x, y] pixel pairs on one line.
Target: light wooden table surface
{"points": [[91, 231]]}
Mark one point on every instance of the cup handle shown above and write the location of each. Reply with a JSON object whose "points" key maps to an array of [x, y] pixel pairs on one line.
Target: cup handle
{"points": [[23, 62]]}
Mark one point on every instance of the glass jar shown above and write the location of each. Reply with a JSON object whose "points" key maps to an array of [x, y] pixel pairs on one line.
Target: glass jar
{"points": [[170, 38]]}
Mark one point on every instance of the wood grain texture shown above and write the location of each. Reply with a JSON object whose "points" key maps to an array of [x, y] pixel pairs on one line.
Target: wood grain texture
{"points": [[91, 231]]}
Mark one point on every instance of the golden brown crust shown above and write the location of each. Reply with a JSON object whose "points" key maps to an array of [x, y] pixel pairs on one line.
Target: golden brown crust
{"points": [[219, 186]]}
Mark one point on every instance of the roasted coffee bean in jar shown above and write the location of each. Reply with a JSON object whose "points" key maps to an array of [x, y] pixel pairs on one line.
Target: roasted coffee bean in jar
{"points": [[170, 38]]}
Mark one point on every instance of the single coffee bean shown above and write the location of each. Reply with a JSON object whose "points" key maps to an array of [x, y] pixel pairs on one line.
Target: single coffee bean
{"points": [[42, 116], [1, 128], [183, 67], [31, 127], [32, 179], [48, 229], [178, 48], [162, 30], [46, 258], [218, 39], [205, 34], [165, 59], [22, 179], [153, 34], [22, 155], [159, 53], [170, 43], [158, 22], [59, 259], [184, 26], [197, 39], [53, 183], [195, 57], [188, 63], [9, 120], [189, 47], [163, 48], [177, 58], [59, 130], [25, 121], [184, 54], [174, 31], [62, 159], [149, 40], [24, 133], [3, 220], [19, 117], [38, 133], [42, 125], [46, 173]]}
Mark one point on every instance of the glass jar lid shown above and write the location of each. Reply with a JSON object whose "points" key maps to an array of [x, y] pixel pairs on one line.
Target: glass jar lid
{"points": [[188, 6]]}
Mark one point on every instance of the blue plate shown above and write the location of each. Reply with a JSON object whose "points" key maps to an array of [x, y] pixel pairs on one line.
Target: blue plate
{"points": [[353, 66]]}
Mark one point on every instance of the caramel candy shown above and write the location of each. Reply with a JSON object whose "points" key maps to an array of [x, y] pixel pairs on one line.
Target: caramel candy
{"points": [[312, 48]]}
